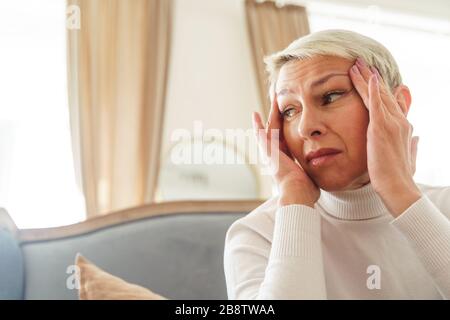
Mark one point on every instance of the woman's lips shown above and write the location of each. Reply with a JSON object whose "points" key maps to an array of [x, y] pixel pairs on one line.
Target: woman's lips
{"points": [[323, 160]]}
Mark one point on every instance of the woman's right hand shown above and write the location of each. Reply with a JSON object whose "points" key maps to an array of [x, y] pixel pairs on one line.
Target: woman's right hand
{"points": [[294, 184]]}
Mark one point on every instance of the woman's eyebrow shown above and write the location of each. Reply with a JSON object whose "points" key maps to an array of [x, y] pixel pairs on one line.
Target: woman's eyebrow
{"points": [[315, 83]]}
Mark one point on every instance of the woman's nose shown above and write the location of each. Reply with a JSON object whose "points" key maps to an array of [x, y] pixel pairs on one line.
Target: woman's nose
{"points": [[311, 123]]}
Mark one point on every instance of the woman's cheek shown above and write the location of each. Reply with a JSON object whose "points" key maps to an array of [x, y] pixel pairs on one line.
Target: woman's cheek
{"points": [[293, 143], [286, 132]]}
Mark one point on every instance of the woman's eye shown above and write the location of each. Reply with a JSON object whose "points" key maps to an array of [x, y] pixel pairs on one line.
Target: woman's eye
{"points": [[331, 97], [288, 112]]}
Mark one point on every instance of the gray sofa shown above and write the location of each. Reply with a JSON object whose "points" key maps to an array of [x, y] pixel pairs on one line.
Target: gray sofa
{"points": [[174, 249]]}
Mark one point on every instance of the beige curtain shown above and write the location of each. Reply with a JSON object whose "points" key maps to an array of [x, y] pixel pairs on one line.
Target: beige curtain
{"points": [[117, 75], [272, 28]]}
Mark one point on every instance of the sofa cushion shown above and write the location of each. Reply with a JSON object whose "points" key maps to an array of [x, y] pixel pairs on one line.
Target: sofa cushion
{"points": [[11, 267], [97, 284]]}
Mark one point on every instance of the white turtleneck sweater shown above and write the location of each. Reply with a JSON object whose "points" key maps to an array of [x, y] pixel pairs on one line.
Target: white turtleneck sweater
{"points": [[347, 247]]}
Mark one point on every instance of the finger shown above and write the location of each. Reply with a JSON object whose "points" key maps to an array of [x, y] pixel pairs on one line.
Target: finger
{"points": [[384, 88], [273, 126], [366, 72], [257, 122], [360, 85], [387, 98], [265, 138], [414, 144], [363, 69], [268, 145], [274, 155], [380, 78], [258, 127], [390, 102], [260, 134], [276, 121], [375, 104]]}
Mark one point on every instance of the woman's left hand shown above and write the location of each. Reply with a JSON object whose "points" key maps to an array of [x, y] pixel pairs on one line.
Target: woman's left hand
{"points": [[391, 149]]}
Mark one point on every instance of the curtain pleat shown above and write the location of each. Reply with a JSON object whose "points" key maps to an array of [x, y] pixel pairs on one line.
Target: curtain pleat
{"points": [[117, 76], [271, 29]]}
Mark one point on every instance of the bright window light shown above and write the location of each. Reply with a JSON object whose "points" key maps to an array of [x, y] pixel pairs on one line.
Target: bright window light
{"points": [[37, 179]]}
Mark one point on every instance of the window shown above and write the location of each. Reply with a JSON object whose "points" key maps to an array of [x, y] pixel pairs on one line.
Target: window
{"points": [[37, 179]]}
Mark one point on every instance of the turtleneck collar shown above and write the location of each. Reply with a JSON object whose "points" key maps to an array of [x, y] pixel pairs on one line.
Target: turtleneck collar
{"points": [[359, 204]]}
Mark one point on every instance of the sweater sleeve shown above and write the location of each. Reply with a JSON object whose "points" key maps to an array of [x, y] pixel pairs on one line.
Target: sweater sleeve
{"points": [[290, 267], [427, 229]]}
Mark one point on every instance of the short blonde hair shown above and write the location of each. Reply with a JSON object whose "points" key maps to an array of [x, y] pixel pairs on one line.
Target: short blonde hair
{"points": [[341, 43]]}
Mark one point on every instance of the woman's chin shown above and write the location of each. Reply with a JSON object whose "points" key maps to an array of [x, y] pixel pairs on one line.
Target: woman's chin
{"points": [[331, 183], [339, 183], [331, 186]]}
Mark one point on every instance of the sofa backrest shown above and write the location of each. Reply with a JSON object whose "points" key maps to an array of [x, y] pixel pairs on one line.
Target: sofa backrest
{"points": [[177, 254]]}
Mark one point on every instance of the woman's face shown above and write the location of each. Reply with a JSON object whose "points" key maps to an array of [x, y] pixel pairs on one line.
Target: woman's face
{"points": [[320, 108]]}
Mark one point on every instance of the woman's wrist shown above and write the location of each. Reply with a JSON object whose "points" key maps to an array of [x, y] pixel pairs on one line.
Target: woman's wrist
{"points": [[401, 198], [297, 191], [285, 200]]}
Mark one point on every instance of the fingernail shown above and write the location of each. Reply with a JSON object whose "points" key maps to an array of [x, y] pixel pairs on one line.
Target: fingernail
{"points": [[375, 71], [355, 69], [360, 62]]}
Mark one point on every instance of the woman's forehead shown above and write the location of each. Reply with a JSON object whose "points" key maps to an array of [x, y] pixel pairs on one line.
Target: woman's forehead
{"points": [[310, 73], [314, 66]]}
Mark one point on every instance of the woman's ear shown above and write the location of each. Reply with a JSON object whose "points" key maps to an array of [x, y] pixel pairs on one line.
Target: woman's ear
{"points": [[403, 97]]}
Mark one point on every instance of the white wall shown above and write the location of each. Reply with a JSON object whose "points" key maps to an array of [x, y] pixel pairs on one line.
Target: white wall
{"points": [[211, 75]]}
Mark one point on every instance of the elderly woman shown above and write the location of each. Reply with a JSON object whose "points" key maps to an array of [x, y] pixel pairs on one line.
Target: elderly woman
{"points": [[349, 222]]}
